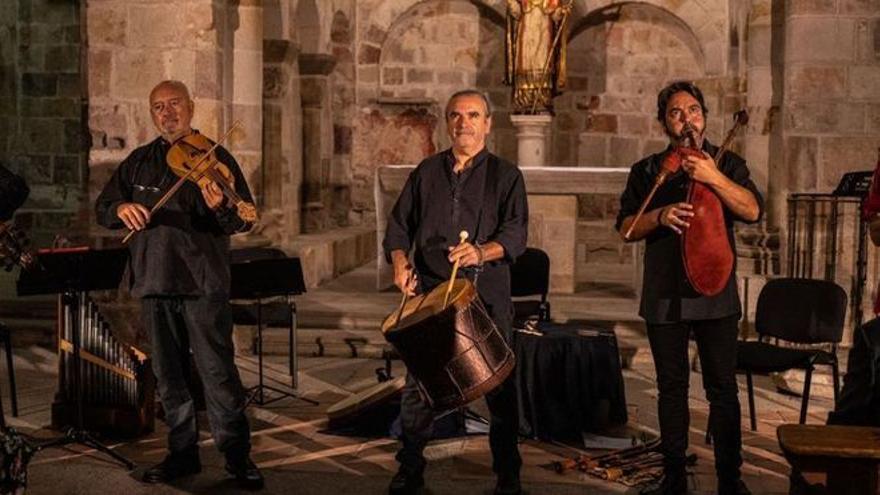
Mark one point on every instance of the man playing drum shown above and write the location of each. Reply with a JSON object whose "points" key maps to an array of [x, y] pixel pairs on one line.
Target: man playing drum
{"points": [[462, 188]]}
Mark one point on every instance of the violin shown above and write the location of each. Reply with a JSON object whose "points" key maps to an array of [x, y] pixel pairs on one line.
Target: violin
{"points": [[195, 160], [186, 159]]}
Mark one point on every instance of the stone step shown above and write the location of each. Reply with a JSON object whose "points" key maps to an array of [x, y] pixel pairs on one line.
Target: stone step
{"points": [[316, 342], [327, 255]]}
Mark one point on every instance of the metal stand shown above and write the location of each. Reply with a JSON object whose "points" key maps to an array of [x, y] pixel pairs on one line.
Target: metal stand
{"points": [[77, 434], [257, 394]]}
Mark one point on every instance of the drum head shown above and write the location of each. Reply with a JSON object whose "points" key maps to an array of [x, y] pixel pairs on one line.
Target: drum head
{"points": [[424, 306], [377, 394]]}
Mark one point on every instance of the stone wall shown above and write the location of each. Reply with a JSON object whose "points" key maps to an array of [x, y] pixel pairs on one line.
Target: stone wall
{"points": [[41, 113], [831, 113]]}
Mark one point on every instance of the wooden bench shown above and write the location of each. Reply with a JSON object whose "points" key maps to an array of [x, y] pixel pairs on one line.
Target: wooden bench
{"points": [[849, 455]]}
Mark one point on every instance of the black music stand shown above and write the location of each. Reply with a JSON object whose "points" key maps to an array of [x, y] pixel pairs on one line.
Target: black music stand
{"points": [[260, 279], [72, 273]]}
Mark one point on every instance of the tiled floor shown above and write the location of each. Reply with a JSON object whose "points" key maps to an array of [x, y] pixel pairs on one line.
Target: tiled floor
{"points": [[299, 456]]}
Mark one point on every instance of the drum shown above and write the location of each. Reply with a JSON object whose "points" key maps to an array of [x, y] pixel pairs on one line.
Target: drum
{"points": [[456, 353], [361, 404]]}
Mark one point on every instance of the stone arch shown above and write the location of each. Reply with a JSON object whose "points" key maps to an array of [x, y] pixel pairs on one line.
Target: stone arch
{"points": [[619, 57], [437, 47], [706, 20], [381, 17], [642, 11]]}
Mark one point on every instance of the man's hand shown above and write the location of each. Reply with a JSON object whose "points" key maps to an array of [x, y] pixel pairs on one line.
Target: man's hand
{"points": [[135, 216], [466, 254], [213, 195], [675, 216], [702, 168], [405, 277]]}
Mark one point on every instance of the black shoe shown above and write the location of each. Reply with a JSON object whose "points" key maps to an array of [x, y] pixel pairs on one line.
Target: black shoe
{"points": [[669, 485], [246, 473], [176, 465], [736, 488], [406, 482], [508, 484]]}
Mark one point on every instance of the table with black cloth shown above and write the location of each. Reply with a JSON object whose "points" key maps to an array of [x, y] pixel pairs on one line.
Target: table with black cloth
{"points": [[569, 381]]}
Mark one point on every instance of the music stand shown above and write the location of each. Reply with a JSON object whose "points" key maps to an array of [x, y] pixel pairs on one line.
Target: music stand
{"points": [[73, 273], [259, 279]]}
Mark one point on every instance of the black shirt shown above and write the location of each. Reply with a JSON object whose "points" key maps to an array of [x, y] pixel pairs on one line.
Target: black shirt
{"points": [[488, 200], [667, 295], [13, 193], [184, 251]]}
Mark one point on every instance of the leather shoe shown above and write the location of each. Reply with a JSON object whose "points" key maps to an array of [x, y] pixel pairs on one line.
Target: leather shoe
{"points": [[406, 482], [246, 473], [508, 484], [669, 485], [175, 465]]}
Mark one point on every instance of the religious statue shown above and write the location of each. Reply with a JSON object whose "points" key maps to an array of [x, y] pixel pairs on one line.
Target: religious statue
{"points": [[535, 55]]}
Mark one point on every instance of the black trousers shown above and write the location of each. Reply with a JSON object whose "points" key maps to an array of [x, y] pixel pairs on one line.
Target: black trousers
{"points": [[203, 324], [859, 402], [417, 421], [716, 345], [417, 418]]}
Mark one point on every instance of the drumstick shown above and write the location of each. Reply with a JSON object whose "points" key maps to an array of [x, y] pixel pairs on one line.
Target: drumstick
{"points": [[403, 299], [463, 235]]}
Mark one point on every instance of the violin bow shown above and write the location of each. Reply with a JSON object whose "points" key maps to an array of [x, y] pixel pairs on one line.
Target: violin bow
{"points": [[177, 185]]}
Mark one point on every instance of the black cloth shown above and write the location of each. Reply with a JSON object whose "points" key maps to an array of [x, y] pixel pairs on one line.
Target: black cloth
{"points": [[859, 402], [716, 342], [569, 381], [203, 324], [488, 200], [13, 193], [667, 296], [417, 422], [185, 248]]}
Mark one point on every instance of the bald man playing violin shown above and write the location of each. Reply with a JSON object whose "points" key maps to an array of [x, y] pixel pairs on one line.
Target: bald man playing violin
{"points": [[179, 267]]}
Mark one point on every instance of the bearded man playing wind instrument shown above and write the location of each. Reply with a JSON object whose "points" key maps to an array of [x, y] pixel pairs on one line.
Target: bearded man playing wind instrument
{"points": [[670, 305], [179, 267]]}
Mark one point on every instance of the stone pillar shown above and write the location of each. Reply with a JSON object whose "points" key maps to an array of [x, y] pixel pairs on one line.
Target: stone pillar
{"points": [[317, 138], [552, 219], [245, 98], [532, 136], [282, 142]]}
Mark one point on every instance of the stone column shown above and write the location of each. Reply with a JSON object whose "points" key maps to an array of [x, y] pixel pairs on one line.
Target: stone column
{"points": [[282, 142], [532, 136], [317, 137], [552, 219], [245, 99]]}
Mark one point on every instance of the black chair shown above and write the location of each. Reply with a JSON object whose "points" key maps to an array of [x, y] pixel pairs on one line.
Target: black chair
{"points": [[798, 311], [530, 276]]}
